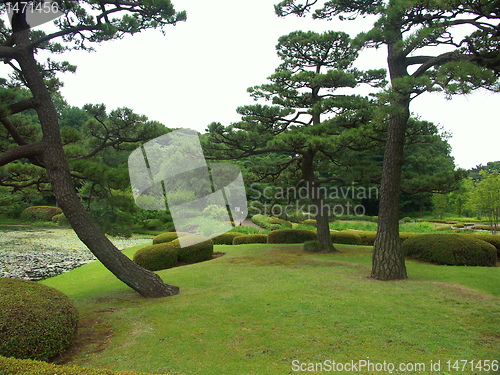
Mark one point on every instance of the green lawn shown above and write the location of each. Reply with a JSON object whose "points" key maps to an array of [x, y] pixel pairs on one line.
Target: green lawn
{"points": [[259, 307]]}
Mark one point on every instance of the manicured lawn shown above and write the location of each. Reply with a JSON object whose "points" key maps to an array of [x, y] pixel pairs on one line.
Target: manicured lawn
{"points": [[259, 307]]}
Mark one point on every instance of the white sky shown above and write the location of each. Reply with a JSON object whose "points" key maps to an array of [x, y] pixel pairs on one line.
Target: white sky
{"points": [[199, 72]]}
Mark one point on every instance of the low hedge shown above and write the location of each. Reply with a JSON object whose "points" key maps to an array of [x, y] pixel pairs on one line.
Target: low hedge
{"points": [[36, 321], [13, 366], [202, 249], [291, 236], [311, 222], [226, 238], [270, 222], [313, 246], [42, 213], [451, 249], [367, 238], [493, 239], [164, 237], [250, 238], [157, 257], [346, 237]]}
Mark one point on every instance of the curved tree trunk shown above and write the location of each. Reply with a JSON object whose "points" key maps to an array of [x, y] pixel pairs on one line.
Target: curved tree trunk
{"points": [[146, 283]]}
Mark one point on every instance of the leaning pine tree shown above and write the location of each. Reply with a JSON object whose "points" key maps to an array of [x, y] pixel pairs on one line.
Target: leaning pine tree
{"points": [[82, 23]]}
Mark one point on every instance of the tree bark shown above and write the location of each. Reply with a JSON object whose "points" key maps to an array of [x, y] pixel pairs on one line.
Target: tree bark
{"points": [[388, 261], [146, 283], [322, 214]]}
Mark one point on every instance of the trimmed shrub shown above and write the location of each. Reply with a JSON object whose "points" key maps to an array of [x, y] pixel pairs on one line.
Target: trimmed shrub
{"points": [[164, 237], [311, 222], [226, 238], [13, 366], [407, 219], [157, 257], [451, 249], [493, 239], [346, 237], [264, 221], [60, 219], [313, 246], [42, 213], [291, 236], [197, 252], [280, 222], [405, 235], [250, 238], [367, 238], [36, 321]]}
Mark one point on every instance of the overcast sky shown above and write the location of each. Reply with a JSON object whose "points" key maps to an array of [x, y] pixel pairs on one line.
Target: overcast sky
{"points": [[199, 72]]}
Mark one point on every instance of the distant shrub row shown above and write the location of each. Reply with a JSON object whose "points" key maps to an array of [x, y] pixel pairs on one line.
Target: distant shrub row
{"points": [[270, 222], [12, 366]]}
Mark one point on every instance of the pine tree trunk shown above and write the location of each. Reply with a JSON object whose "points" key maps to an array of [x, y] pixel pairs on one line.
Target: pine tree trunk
{"points": [[388, 261], [146, 283], [323, 226]]}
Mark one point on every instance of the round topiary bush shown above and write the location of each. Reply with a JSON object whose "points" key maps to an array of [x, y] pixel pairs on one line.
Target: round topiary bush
{"points": [[226, 238], [157, 257], [450, 249], [41, 213], [250, 238], [36, 321], [61, 220], [164, 237], [291, 236], [313, 246], [202, 249], [346, 237]]}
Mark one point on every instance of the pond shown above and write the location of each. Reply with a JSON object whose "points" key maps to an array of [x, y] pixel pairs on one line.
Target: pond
{"points": [[38, 253]]}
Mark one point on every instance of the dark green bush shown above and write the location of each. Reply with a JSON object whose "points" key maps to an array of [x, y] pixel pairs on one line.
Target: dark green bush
{"points": [[36, 321], [41, 213], [60, 219], [493, 239], [164, 237], [313, 246], [346, 237], [450, 249], [250, 238], [202, 249], [154, 224], [226, 238], [291, 236], [157, 257], [13, 366]]}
